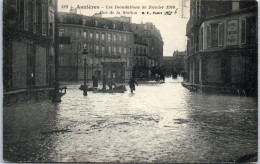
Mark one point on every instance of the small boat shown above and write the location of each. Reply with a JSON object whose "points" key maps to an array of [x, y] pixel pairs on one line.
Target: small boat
{"points": [[109, 91], [118, 89]]}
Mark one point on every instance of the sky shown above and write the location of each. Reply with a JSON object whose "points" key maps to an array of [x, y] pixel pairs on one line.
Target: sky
{"points": [[172, 27]]}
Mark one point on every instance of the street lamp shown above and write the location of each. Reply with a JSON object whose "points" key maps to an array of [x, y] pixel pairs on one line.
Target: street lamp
{"points": [[85, 52], [56, 97]]}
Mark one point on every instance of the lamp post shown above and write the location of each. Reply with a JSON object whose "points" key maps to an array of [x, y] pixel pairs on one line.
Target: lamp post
{"points": [[56, 97], [85, 66]]}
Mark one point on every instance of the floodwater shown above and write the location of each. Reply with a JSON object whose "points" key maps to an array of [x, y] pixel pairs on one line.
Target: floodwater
{"points": [[160, 122]]}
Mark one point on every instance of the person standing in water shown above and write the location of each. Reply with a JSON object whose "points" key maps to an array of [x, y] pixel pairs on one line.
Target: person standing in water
{"points": [[132, 83]]}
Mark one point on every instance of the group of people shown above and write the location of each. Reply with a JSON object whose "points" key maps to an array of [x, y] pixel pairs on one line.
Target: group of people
{"points": [[112, 83], [159, 77]]}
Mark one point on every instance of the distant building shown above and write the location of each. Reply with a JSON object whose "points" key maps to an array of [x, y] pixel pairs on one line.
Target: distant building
{"points": [[152, 36], [28, 46], [222, 45], [109, 45], [113, 47], [174, 63], [168, 65], [179, 58]]}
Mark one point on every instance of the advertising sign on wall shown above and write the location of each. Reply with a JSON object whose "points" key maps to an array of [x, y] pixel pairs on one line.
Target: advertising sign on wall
{"points": [[232, 33]]}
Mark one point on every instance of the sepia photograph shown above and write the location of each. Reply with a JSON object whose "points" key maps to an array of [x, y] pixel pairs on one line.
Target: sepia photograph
{"points": [[130, 81]]}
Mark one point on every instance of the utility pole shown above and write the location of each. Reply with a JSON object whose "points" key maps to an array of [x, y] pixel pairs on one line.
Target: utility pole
{"points": [[85, 93], [56, 95]]}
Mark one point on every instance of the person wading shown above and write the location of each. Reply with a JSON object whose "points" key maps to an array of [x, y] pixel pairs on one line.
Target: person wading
{"points": [[132, 83]]}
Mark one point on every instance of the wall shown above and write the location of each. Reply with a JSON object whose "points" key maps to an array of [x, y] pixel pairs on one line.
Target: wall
{"points": [[40, 66], [19, 66]]}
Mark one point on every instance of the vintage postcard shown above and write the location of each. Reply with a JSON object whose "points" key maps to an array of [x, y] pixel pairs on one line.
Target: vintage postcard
{"points": [[130, 81]]}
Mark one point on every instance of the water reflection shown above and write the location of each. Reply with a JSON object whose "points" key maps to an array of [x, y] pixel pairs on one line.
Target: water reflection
{"points": [[160, 122]]}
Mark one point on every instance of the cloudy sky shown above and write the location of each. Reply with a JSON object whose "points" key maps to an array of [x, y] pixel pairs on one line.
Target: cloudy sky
{"points": [[172, 27]]}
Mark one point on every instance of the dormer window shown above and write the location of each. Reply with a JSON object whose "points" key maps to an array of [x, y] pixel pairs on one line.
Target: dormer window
{"points": [[96, 23], [84, 21], [114, 25]]}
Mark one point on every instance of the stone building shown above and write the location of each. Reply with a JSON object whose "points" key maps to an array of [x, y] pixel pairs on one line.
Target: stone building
{"points": [[28, 46], [152, 36], [168, 65], [222, 46], [112, 47], [141, 58], [109, 45], [179, 58]]}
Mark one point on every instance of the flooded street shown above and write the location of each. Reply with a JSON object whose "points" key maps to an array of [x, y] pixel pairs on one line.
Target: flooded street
{"points": [[161, 122]]}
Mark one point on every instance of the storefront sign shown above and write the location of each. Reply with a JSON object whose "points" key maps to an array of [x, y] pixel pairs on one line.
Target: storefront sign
{"points": [[232, 33]]}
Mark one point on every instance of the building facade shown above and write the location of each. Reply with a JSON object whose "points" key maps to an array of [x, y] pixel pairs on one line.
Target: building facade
{"points": [[152, 36], [168, 65], [28, 44], [222, 45], [112, 47], [109, 45], [179, 58], [142, 61]]}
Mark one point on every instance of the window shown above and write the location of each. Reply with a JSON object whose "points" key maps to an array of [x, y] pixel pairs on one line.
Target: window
{"points": [[44, 23], [97, 49], [145, 27], [84, 21], [124, 50], [144, 51], [79, 46], [129, 38], [91, 48], [136, 27], [214, 35], [114, 37], [77, 33], [220, 34], [51, 28], [85, 35], [114, 25], [96, 23], [114, 50], [125, 38], [85, 46], [34, 15], [136, 62], [130, 50], [61, 47], [109, 50], [61, 32], [120, 38], [91, 35], [109, 37], [152, 48], [119, 50], [137, 50], [97, 36], [201, 39], [26, 14], [103, 50], [103, 36], [208, 37], [69, 32], [141, 50], [80, 33], [243, 31]]}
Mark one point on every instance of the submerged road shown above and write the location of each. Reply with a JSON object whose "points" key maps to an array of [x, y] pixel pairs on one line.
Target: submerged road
{"points": [[161, 122]]}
